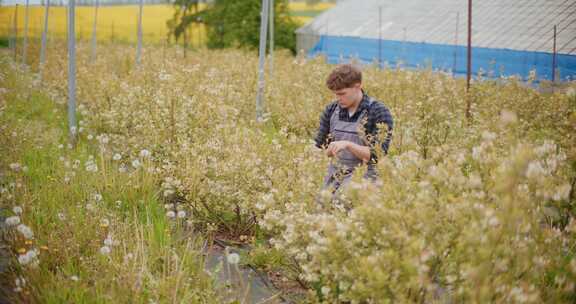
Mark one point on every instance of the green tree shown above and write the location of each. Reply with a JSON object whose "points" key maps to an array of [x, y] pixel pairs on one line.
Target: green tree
{"points": [[236, 23], [182, 19]]}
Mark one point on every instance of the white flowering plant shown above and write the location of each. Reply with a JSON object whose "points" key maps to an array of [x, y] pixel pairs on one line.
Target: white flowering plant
{"points": [[468, 209]]}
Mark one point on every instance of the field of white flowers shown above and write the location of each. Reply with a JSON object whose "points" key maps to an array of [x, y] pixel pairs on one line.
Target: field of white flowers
{"points": [[170, 156]]}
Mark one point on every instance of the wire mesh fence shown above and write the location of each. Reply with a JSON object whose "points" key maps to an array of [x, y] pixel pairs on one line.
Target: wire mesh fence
{"points": [[508, 37]]}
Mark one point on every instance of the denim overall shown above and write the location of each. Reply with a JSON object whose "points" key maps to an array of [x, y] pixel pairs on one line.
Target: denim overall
{"points": [[343, 165]]}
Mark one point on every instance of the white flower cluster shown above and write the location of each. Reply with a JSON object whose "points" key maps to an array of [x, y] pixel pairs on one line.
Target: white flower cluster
{"points": [[384, 233], [90, 165], [103, 139], [26, 231], [233, 258], [29, 258], [464, 204], [170, 185], [136, 163], [117, 156], [173, 212], [97, 197], [108, 243], [12, 220], [20, 284], [145, 153], [15, 167]]}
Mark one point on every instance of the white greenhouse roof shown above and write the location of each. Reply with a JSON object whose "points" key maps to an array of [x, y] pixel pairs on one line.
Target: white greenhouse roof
{"points": [[507, 24]]}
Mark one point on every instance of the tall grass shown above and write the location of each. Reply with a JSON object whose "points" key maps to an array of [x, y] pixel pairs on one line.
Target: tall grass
{"points": [[473, 210], [102, 234]]}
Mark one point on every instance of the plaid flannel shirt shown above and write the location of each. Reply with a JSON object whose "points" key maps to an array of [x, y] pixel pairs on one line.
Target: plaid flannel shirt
{"points": [[378, 115]]}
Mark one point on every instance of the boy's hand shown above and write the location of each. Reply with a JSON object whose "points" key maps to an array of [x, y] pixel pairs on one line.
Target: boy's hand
{"points": [[336, 146]]}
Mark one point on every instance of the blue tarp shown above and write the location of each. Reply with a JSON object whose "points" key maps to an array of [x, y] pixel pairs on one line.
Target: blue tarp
{"points": [[493, 62]]}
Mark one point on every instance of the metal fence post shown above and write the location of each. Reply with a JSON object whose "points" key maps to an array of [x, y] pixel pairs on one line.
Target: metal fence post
{"points": [[554, 57], [25, 42], [94, 27], [72, 70], [271, 46], [139, 50], [469, 64], [15, 44], [261, 62], [44, 38]]}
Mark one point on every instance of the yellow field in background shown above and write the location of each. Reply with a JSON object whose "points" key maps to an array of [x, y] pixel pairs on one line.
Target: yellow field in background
{"points": [[302, 6], [115, 23]]}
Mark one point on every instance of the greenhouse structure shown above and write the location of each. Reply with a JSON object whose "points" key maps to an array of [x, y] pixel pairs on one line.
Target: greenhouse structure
{"points": [[528, 38]]}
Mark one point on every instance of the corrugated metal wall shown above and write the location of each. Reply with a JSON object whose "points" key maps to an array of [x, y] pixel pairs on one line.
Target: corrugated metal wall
{"points": [[509, 37]]}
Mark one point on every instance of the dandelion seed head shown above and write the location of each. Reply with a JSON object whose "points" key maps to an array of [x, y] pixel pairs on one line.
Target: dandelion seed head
{"points": [[105, 250], [233, 258], [25, 231], [91, 166], [136, 163], [145, 153], [97, 197], [15, 167], [12, 221], [103, 139], [29, 258], [108, 241], [104, 222]]}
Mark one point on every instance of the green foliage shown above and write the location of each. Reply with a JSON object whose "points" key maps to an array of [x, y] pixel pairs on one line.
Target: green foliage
{"points": [[184, 16], [3, 42], [236, 23], [266, 258]]}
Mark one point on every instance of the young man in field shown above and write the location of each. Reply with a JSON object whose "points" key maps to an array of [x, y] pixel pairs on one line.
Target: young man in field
{"points": [[352, 128]]}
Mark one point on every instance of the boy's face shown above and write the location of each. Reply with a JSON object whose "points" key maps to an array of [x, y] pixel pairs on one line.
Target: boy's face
{"points": [[349, 96]]}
